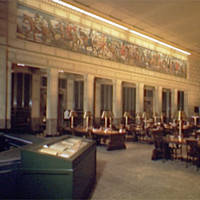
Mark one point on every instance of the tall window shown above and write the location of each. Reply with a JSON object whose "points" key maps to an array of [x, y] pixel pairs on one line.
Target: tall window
{"points": [[180, 100], [43, 97], [106, 97], [129, 99], [78, 101], [21, 100], [21, 87], [62, 83], [78, 95], [62, 100], [148, 100], [166, 103]]}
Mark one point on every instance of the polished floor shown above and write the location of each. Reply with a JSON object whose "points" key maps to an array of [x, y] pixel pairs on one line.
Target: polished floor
{"points": [[131, 175]]}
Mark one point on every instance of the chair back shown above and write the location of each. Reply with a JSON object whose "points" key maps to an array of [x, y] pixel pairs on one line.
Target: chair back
{"points": [[192, 147]]}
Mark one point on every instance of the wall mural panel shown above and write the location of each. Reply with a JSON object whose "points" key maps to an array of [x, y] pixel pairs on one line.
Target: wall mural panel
{"points": [[34, 25]]}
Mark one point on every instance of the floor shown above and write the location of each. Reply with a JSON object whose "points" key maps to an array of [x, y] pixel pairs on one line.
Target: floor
{"points": [[131, 174]]}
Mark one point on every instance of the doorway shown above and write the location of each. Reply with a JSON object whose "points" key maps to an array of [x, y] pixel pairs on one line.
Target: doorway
{"points": [[21, 101]]}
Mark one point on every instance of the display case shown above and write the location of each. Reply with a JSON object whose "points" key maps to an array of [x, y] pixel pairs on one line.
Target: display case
{"points": [[62, 168]]}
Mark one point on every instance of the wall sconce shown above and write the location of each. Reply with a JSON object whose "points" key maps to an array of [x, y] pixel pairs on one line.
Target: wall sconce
{"points": [[72, 115], [105, 116], [87, 115]]}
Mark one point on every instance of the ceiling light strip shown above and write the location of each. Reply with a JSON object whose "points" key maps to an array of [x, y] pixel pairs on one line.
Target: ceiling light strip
{"points": [[118, 26]]}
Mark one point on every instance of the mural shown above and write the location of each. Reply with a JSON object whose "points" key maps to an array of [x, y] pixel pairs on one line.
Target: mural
{"points": [[40, 27]]}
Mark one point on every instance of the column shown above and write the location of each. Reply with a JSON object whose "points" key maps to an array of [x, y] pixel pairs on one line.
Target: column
{"points": [[3, 88], [157, 107], [35, 112], [9, 95], [97, 99], [140, 97], [174, 101], [117, 101], [186, 103], [168, 102], [88, 93], [97, 102], [70, 93], [52, 102]]}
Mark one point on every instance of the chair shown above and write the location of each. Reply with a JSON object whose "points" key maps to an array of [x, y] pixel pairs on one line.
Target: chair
{"points": [[161, 150], [176, 150], [193, 152]]}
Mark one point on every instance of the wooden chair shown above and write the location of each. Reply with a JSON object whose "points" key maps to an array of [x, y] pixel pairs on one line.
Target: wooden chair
{"points": [[161, 150], [176, 150], [193, 152]]}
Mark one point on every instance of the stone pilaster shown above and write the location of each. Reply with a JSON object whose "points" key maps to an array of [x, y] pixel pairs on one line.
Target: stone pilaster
{"points": [[168, 102], [140, 97], [97, 99], [186, 106], [70, 93], [174, 101], [117, 101], [3, 87], [88, 92], [9, 95], [35, 112], [97, 102], [157, 99], [52, 101], [88, 102]]}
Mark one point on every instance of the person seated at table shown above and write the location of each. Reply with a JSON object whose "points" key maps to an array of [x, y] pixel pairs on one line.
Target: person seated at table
{"points": [[67, 117]]}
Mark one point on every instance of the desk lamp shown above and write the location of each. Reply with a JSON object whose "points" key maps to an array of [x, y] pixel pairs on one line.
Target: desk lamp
{"points": [[180, 117], [138, 118], [87, 115], [72, 115], [111, 116], [162, 117], [144, 117], [126, 116], [155, 117], [105, 116]]}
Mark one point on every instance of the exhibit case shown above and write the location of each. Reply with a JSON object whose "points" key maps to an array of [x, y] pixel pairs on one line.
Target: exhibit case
{"points": [[62, 168]]}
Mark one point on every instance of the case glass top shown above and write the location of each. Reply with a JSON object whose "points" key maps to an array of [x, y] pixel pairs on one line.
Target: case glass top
{"points": [[65, 148]]}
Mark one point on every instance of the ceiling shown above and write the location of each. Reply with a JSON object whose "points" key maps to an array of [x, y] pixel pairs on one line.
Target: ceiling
{"points": [[177, 22]]}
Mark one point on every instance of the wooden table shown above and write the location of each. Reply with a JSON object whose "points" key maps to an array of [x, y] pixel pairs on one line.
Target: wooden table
{"points": [[82, 132], [78, 131], [175, 140], [112, 139]]}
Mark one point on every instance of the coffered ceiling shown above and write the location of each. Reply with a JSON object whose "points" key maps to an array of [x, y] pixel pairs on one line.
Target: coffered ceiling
{"points": [[177, 22]]}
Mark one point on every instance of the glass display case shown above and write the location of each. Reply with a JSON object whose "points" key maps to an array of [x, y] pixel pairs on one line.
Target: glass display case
{"points": [[60, 168], [65, 148]]}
